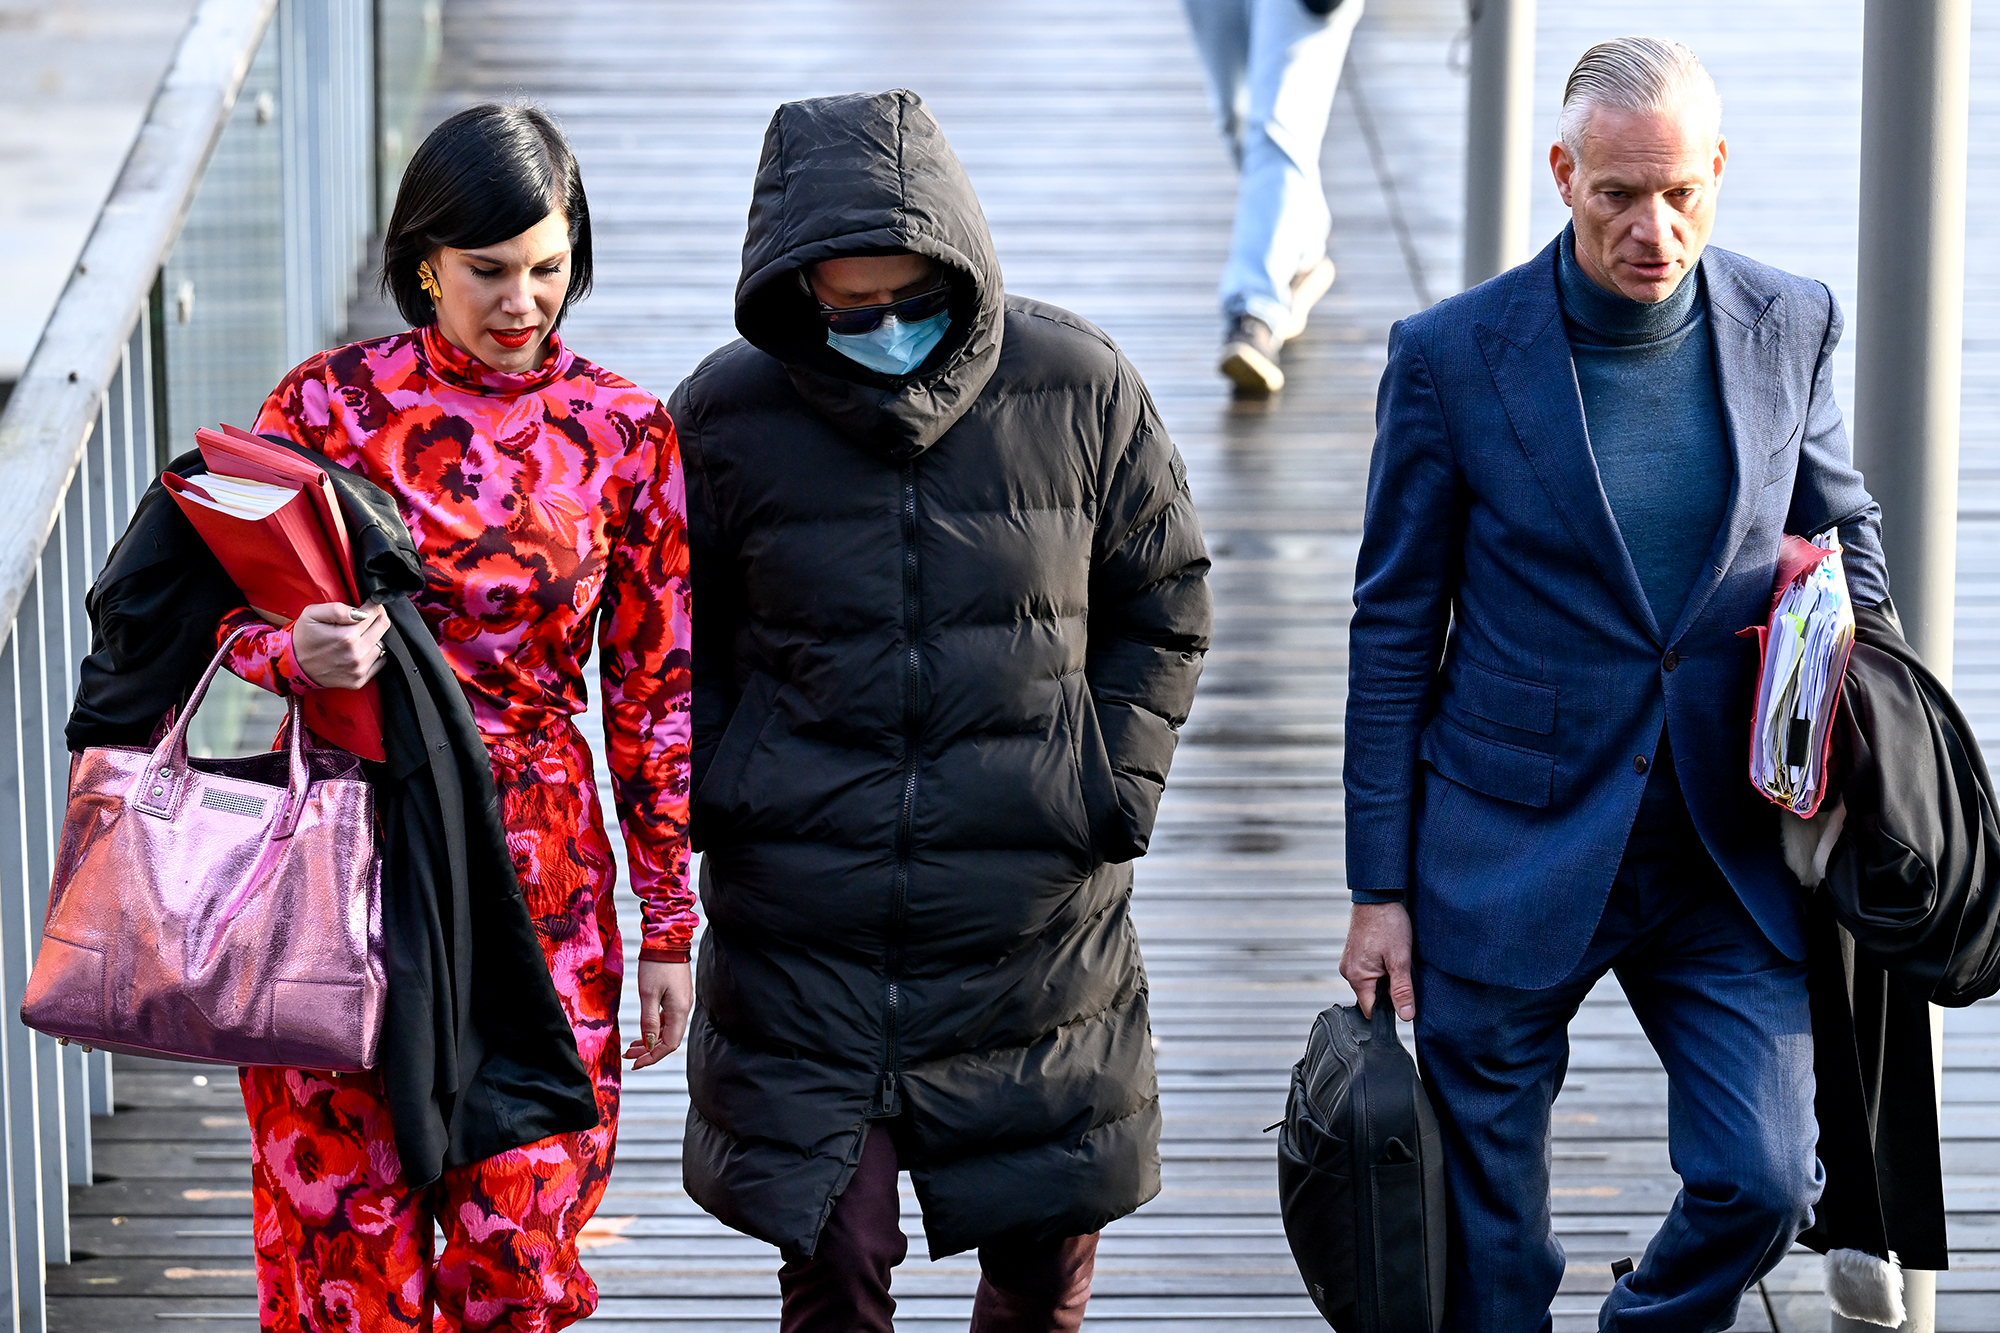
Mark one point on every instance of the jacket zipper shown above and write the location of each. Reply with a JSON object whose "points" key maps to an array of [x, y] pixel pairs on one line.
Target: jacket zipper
{"points": [[888, 1097]]}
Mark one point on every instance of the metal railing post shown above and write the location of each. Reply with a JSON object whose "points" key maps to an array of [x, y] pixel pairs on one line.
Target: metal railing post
{"points": [[1915, 78], [1499, 136], [20, 756], [1910, 332]]}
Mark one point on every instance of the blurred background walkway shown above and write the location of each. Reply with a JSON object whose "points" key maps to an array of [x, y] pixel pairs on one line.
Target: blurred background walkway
{"points": [[1084, 125], [79, 75]]}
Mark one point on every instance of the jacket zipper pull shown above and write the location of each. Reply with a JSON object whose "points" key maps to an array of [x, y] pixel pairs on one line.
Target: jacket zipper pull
{"points": [[888, 1103]]}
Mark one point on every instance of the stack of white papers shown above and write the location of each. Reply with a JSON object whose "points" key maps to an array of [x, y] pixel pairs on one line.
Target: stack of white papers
{"points": [[1805, 657], [239, 496]]}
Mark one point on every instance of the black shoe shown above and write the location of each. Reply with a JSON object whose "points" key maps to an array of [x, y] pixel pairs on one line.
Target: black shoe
{"points": [[1250, 356]]}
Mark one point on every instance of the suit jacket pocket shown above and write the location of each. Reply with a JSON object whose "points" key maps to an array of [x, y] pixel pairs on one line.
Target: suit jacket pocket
{"points": [[1526, 705], [1506, 772]]}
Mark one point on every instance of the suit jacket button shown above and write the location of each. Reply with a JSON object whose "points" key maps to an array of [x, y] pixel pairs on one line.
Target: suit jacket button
{"points": [[1639, 764], [1670, 661]]}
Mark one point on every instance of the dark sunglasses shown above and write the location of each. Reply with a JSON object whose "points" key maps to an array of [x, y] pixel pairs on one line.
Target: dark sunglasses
{"points": [[866, 318]]}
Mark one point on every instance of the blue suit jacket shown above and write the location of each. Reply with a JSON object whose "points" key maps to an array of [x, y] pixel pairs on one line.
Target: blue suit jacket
{"points": [[1505, 668]]}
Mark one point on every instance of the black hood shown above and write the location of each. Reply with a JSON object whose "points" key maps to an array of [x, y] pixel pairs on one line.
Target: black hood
{"points": [[868, 173]]}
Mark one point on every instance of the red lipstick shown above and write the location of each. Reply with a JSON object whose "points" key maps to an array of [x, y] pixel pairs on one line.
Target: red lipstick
{"points": [[512, 338]]}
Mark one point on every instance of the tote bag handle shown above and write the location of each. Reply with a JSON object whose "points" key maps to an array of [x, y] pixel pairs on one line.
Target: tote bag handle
{"points": [[165, 777]]}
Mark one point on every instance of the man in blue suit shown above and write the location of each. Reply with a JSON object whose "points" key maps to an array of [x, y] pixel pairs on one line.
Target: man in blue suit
{"points": [[1582, 473]]}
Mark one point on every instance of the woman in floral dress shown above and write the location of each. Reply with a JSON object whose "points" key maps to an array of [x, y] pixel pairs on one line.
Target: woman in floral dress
{"points": [[545, 496]]}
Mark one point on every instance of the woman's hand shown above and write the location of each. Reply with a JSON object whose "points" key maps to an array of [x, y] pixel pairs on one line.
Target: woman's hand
{"points": [[666, 995], [339, 646]]}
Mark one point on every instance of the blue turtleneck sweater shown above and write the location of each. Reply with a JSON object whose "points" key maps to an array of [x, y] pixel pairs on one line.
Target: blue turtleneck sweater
{"points": [[1653, 410]]}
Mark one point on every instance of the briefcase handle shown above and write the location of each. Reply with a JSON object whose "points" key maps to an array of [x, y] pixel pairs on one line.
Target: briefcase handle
{"points": [[1382, 1026]]}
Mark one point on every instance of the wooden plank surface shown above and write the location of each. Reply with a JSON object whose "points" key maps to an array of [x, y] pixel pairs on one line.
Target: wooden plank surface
{"points": [[1084, 126]]}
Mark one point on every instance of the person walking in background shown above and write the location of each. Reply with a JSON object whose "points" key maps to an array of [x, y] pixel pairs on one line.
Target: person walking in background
{"points": [[1273, 66], [1583, 471], [545, 497], [953, 607]]}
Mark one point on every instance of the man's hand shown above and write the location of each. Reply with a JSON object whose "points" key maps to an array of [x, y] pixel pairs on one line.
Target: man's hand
{"points": [[666, 995], [340, 646], [1378, 944]]}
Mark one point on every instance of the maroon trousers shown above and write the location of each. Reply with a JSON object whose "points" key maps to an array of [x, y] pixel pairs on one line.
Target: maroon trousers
{"points": [[844, 1288]]}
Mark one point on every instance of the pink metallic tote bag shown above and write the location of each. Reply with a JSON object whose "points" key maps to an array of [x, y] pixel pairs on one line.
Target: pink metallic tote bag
{"points": [[220, 910]]}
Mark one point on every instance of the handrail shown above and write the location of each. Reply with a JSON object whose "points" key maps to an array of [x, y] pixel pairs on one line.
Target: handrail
{"points": [[262, 205], [48, 420]]}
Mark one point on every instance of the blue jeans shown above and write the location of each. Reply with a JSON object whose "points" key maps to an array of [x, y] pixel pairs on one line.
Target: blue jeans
{"points": [[1272, 66], [1728, 1015]]}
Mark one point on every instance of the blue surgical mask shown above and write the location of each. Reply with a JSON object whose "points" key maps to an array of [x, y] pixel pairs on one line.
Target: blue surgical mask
{"points": [[892, 347]]}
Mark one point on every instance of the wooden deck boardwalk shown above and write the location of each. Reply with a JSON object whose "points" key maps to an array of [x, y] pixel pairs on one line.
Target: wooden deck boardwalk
{"points": [[1084, 126]]}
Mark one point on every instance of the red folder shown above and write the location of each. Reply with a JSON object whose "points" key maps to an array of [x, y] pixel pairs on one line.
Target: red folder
{"points": [[237, 453], [296, 557]]}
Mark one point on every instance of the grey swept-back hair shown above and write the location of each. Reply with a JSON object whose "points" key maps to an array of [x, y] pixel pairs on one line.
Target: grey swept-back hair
{"points": [[1635, 74]]}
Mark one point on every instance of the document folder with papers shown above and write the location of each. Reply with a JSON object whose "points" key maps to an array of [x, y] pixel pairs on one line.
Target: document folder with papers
{"points": [[1803, 653], [271, 519]]}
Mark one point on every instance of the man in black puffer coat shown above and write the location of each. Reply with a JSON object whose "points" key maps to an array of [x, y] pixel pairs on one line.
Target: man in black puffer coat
{"points": [[948, 624]]}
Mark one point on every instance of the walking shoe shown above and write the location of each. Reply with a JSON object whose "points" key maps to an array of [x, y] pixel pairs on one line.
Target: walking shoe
{"points": [[1250, 356], [1310, 284]]}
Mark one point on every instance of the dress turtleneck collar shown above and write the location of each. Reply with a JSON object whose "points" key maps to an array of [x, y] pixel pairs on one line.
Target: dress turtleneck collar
{"points": [[465, 371], [1618, 321]]}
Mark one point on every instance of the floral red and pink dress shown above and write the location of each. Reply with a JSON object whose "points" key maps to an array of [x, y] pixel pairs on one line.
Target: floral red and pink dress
{"points": [[550, 512]]}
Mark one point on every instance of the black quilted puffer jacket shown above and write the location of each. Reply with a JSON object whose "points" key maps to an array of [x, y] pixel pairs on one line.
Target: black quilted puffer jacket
{"points": [[947, 627]]}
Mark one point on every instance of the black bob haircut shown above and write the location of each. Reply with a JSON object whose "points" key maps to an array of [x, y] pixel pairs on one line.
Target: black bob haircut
{"points": [[484, 176]]}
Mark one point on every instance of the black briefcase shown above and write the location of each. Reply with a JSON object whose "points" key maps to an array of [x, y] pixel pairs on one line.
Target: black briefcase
{"points": [[1361, 1177]]}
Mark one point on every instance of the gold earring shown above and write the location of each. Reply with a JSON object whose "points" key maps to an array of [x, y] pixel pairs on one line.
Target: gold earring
{"points": [[427, 279]]}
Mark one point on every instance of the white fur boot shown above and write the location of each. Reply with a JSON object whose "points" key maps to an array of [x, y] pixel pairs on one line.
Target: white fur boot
{"points": [[1864, 1287]]}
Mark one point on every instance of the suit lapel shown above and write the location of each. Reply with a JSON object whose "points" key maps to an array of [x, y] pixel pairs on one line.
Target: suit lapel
{"points": [[1528, 356], [1745, 333]]}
